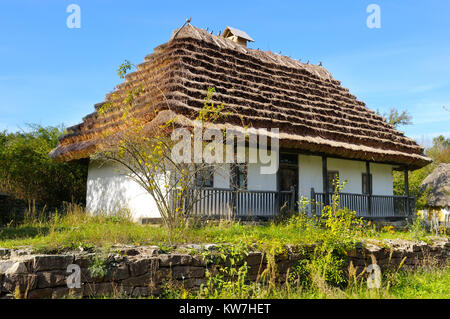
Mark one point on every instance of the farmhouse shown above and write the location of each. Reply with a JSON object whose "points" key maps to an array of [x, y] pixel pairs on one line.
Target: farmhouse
{"points": [[324, 131]]}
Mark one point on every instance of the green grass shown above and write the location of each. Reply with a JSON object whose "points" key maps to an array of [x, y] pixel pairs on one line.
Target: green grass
{"points": [[75, 228], [424, 283]]}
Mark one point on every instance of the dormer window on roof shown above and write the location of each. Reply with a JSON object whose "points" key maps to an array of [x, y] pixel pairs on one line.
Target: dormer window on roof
{"points": [[238, 36]]}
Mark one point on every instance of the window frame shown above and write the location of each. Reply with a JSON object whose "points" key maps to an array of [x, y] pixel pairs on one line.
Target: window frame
{"points": [[238, 170], [205, 178]]}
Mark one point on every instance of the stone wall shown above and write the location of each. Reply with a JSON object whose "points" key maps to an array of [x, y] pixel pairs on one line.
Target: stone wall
{"points": [[142, 271]]}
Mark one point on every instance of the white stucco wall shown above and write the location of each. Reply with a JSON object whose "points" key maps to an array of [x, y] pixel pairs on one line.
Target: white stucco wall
{"points": [[260, 182], [310, 175], [109, 190], [383, 180], [257, 181], [349, 171]]}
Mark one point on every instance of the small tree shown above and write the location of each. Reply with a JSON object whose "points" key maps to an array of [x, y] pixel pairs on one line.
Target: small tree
{"points": [[144, 151], [397, 118]]}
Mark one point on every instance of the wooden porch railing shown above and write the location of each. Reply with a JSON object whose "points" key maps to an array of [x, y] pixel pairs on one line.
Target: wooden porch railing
{"points": [[226, 203], [373, 206]]}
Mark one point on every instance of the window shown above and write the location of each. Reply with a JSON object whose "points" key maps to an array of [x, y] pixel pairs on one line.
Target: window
{"points": [[364, 184], [205, 178], [333, 176], [239, 176], [290, 159]]}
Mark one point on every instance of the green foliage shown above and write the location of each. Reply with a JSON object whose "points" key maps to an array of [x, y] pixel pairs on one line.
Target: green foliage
{"points": [[423, 283], [417, 229], [228, 279], [98, 266], [72, 227], [124, 68], [396, 118], [415, 179], [439, 153], [27, 172], [210, 112]]}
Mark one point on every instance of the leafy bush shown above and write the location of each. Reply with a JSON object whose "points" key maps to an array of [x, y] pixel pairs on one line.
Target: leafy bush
{"points": [[417, 229], [28, 173], [98, 267]]}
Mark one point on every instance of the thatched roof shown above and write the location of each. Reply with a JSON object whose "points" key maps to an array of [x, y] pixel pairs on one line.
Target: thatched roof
{"points": [[265, 90], [439, 181]]}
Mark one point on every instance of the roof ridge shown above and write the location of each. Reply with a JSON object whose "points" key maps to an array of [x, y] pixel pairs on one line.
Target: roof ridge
{"points": [[190, 30]]}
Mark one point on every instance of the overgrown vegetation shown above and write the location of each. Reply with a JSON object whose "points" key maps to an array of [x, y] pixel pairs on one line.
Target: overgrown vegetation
{"points": [[307, 281]]}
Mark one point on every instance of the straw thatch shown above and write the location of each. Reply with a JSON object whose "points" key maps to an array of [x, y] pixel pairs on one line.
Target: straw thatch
{"points": [[265, 90], [439, 183]]}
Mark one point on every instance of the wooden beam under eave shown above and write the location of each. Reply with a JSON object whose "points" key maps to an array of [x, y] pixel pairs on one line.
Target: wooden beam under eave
{"points": [[325, 179], [405, 172], [369, 188]]}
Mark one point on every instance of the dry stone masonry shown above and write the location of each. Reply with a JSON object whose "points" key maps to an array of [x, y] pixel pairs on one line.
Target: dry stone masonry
{"points": [[143, 271]]}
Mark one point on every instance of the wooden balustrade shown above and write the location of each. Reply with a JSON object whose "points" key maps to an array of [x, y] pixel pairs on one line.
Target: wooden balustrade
{"points": [[373, 206], [224, 203], [227, 203]]}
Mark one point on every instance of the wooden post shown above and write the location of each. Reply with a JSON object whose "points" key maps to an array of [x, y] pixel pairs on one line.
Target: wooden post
{"points": [[406, 191], [325, 180], [278, 193], [369, 188], [313, 202], [292, 199]]}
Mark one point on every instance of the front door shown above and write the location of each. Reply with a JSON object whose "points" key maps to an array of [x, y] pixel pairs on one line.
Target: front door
{"points": [[288, 178], [288, 174]]}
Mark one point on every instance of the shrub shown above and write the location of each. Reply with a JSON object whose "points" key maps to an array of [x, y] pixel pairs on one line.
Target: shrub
{"points": [[28, 173]]}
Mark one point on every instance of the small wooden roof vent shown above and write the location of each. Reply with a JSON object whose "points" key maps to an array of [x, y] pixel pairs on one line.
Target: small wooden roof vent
{"points": [[238, 36]]}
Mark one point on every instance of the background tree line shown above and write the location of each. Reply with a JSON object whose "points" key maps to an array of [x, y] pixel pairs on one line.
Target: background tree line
{"points": [[28, 173]]}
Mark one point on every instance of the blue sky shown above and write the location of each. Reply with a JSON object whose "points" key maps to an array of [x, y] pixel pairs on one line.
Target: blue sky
{"points": [[50, 74]]}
